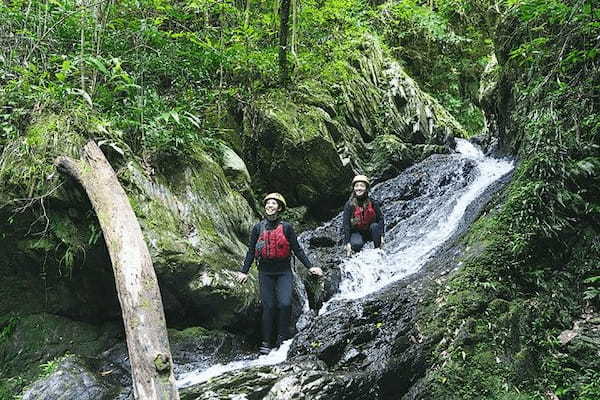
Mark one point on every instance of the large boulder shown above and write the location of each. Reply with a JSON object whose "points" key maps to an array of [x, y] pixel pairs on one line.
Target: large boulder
{"points": [[70, 379], [31, 344], [195, 225], [194, 222]]}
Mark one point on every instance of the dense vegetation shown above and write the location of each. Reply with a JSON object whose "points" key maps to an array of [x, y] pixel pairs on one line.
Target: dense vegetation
{"points": [[533, 264], [157, 80], [155, 76]]}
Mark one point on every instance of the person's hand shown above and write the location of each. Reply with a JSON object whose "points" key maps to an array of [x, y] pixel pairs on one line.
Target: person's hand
{"points": [[316, 271], [242, 277], [348, 250]]}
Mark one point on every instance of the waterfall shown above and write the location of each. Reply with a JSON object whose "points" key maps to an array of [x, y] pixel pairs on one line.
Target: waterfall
{"points": [[409, 244], [412, 241]]}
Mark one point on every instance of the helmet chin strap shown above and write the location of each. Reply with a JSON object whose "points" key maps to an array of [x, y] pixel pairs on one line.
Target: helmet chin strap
{"points": [[273, 217]]}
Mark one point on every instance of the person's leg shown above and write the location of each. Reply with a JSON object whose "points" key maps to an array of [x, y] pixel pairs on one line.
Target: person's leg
{"points": [[267, 296], [356, 241], [375, 230], [284, 304]]}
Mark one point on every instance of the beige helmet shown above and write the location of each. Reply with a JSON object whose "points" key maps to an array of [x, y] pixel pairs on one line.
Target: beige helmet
{"points": [[361, 178], [276, 196]]}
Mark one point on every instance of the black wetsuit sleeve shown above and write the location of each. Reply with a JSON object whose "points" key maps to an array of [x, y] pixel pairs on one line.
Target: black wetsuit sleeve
{"points": [[346, 221], [293, 239], [379, 218], [251, 248]]}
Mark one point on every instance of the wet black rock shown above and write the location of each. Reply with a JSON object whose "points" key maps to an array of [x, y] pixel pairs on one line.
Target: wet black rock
{"points": [[420, 190]]}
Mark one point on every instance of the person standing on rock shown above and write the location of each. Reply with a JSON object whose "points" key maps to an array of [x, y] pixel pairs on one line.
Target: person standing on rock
{"points": [[362, 219], [271, 243]]}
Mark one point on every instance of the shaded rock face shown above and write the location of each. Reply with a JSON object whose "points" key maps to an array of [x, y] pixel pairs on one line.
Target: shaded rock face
{"points": [[195, 224], [72, 379], [378, 123], [31, 285], [37, 339]]}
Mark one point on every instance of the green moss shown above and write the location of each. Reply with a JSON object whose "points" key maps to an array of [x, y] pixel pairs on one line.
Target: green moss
{"points": [[38, 341], [467, 302], [26, 162], [188, 333], [162, 363]]}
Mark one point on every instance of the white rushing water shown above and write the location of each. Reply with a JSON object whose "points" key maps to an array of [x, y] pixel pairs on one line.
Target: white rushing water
{"points": [[371, 269], [274, 357]]}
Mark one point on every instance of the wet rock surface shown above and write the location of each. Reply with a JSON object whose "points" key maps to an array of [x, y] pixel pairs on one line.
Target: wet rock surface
{"points": [[371, 347], [72, 379], [413, 195], [303, 379]]}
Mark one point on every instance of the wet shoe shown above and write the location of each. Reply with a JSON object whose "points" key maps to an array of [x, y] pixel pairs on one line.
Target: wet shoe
{"points": [[280, 340], [264, 348]]}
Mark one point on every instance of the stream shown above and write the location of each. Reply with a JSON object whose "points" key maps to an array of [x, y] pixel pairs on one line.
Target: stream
{"points": [[424, 207]]}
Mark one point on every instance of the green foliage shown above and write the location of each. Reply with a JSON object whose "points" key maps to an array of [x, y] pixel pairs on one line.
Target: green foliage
{"points": [[593, 291], [559, 32], [49, 367], [7, 326], [7, 388], [538, 252], [440, 53]]}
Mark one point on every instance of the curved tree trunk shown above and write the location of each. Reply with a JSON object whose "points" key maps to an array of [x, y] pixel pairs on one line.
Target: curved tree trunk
{"points": [[137, 287]]}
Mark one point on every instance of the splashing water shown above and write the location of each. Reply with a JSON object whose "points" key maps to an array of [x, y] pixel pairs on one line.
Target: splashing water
{"points": [[412, 243], [274, 357]]}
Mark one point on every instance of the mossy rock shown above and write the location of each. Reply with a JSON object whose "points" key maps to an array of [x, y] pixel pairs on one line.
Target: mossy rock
{"points": [[37, 339], [196, 227], [72, 378], [307, 142], [289, 149], [467, 302]]}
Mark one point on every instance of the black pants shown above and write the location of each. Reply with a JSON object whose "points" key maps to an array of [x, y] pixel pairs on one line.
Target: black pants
{"points": [[276, 296], [359, 238]]}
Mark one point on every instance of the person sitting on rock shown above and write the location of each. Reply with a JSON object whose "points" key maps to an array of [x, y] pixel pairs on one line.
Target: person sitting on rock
{"points": [[271, 243], [362, 219]]}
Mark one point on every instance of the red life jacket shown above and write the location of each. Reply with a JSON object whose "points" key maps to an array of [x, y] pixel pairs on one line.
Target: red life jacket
{"points": [[272, 245], [364, 216]]}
